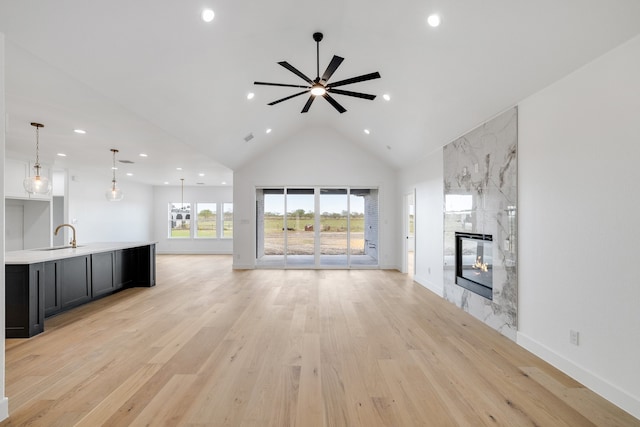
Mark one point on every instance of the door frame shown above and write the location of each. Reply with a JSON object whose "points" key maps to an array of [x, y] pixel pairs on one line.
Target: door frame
{"points": [[408, 200]]}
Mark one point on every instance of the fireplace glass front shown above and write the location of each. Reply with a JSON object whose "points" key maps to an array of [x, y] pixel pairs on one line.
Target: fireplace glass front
{"points": [[474, 263]]}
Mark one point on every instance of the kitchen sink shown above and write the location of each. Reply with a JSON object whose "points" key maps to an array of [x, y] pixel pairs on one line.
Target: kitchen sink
{"points": [[55, 248]]}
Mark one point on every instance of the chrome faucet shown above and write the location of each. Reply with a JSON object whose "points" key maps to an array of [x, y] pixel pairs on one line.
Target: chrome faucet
{"points": [[73, 241]]}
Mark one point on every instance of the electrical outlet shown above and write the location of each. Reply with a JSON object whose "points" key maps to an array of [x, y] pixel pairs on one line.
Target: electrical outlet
{"points": [[574, 337]]}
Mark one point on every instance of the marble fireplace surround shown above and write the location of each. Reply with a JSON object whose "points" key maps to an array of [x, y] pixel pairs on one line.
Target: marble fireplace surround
{"points": [[480, 193]]}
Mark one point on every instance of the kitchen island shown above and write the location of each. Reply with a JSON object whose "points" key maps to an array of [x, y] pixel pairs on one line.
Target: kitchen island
{"points": [[43, 282]]}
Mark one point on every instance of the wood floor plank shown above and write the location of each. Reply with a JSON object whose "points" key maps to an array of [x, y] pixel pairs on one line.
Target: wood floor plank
{"points": [[210, 346], [164, 409], [117, 397]]}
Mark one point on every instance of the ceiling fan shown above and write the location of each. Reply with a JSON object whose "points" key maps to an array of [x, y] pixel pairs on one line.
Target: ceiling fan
{"points": [[319, 86]]}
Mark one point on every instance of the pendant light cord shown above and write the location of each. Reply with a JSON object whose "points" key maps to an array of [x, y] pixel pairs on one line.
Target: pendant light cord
{"points": [[113, 169], [182, 193], [37, 165]]}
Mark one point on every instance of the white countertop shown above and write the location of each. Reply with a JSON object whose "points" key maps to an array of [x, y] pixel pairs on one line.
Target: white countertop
{"points": [[32, 256]]}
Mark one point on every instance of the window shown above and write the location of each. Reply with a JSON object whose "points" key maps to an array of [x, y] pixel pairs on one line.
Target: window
{"points": [[179, 220], [206, 220], [227, 225]]}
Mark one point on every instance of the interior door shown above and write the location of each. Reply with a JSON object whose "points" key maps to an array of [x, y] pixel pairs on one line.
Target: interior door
{"points": [[410, 233]]}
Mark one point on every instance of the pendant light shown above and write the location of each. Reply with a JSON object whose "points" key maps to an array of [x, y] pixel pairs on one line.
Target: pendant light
{"points": [[114, 194], [37, 184]]}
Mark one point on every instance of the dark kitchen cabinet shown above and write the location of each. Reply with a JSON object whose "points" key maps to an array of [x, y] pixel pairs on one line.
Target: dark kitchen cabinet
{"points": [[75, 281], [102, 274], [24, 294], [39, 290], [52, 291]]}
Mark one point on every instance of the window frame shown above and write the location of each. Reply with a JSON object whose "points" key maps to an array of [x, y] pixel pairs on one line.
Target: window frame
{"points": [[217, 215], [170, 220], [222, 223]]}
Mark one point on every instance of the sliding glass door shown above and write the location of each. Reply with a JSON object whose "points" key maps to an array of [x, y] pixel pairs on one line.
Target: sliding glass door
{"points": [[316, 227], [334, 226], [299, 233]]}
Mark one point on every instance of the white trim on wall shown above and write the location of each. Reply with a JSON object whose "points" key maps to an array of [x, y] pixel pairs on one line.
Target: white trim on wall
{"points": [[4, 402]]}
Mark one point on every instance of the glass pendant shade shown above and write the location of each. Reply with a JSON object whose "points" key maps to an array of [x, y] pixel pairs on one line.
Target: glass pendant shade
{"points": [[37, 184], [114, 194]]}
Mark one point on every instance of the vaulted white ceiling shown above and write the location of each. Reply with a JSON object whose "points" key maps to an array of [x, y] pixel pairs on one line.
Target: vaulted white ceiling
{"points": [[151, 77]]}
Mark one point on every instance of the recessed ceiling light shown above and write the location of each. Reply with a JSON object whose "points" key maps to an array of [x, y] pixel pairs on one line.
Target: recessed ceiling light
{"points": [[386, 97], [200, 174], [268, 130], [433, 20], [129, 174], [62, 155], [143, 155], [208, 15], [166, 183], [250, 95], [178, 169], [367, 131], [80, 131], [224, 182]]}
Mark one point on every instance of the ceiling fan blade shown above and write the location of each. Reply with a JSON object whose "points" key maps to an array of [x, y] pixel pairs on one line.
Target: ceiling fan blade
{"points": [[295, 71], [278, 84], [356, 94], [361, 78], [308, 104], [332, 67], [288, 97], [335, 104]]}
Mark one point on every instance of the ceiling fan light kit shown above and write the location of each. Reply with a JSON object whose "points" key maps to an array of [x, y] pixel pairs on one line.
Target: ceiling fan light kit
{"points": [[320, 86]]}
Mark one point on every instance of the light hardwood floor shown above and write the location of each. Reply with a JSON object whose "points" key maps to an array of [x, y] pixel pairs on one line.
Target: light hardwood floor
{"points": [[209, 346]]}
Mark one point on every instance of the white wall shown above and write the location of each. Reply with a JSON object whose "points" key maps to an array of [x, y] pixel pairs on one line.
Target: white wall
{"points": [[578, 156], [579, 148], [314, 157], [163, 195], [4, 403], [426, 177], [27, 224], [98, 220]]}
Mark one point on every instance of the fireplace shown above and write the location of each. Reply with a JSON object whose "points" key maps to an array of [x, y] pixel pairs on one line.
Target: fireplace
{"points": [[474, 263]]}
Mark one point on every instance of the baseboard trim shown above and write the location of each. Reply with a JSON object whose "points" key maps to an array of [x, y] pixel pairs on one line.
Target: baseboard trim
{"points": [[4, 408], [243, 266], [193, 252], [612, 393], [428, 285]]}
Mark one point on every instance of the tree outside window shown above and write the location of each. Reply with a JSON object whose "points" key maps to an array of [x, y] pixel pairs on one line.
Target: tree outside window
{"points": [[207, 220]]}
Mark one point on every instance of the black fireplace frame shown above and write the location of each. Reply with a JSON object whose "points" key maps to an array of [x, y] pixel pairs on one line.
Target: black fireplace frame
{"points": [[478, 288]]}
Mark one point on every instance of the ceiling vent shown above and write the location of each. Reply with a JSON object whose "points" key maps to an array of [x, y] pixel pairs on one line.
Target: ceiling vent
{"points": [[248, 137], [127, 162]]}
